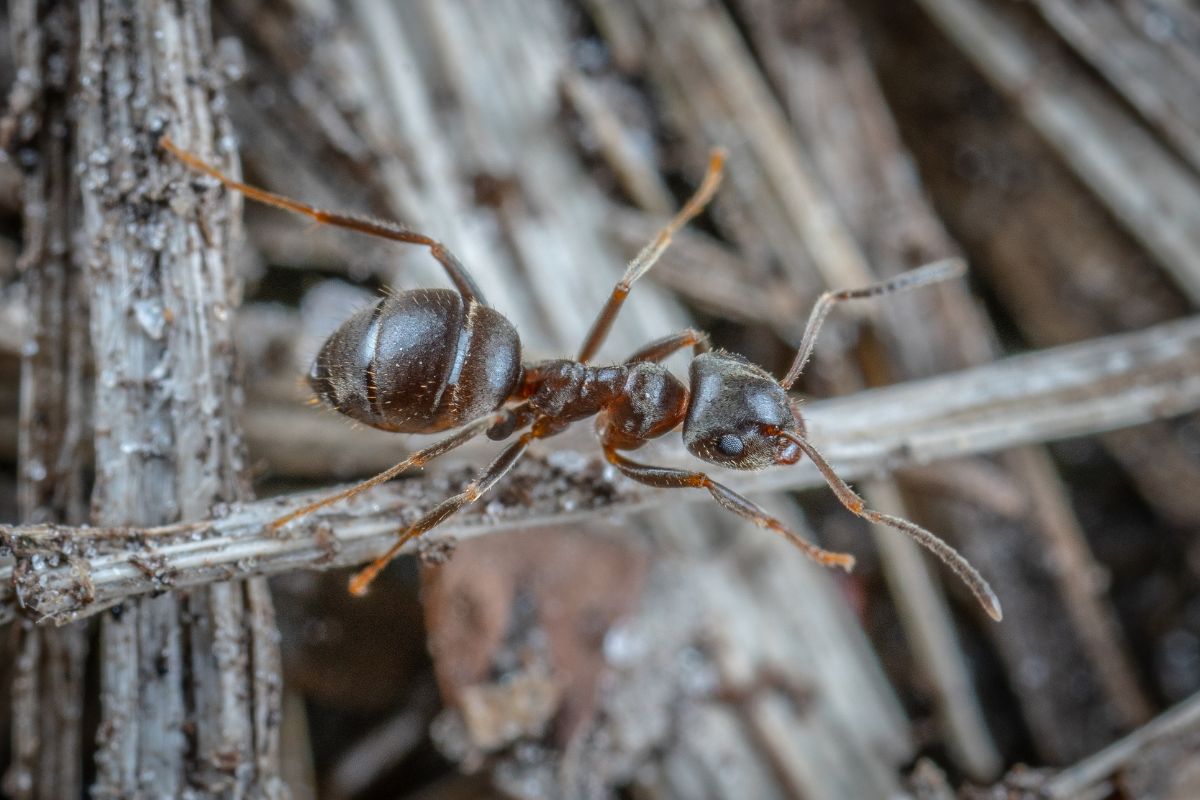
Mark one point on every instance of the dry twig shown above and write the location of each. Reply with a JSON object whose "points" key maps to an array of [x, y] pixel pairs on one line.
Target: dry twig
{"points": [[1091, 773], [1139, 180], [1070, 391], [153, 310], [1159, 81]]}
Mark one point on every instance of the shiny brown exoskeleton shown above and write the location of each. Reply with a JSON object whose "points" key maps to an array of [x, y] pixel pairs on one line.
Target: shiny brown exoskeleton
{"points": [[431, 360], [419, 362]]}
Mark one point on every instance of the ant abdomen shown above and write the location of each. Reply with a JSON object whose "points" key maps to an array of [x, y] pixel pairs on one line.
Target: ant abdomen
{"points": [[419, 362]]}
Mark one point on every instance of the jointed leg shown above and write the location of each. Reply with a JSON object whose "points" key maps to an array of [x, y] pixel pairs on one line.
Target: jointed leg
{"points": [[486, 480], [668, 478], [459, 437], [949, 556], [644, 260], [388, 230], [942, 270], [661, 348]]}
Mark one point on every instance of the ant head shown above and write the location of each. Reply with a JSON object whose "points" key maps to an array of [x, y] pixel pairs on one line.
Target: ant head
{"points": [[738, 414]]}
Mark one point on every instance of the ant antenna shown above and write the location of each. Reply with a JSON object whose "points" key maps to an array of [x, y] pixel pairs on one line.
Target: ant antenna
{"points": [[943, 270], [948, 555]]}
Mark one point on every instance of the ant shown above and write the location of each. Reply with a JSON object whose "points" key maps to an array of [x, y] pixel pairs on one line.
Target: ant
{"points": [[430, 360]]}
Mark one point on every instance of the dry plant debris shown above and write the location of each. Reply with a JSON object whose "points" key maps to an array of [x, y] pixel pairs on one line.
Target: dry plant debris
{"points": [[608, 640]]}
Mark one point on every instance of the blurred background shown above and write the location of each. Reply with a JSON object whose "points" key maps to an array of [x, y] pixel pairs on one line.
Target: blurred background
{"points": [[1055, 144]]}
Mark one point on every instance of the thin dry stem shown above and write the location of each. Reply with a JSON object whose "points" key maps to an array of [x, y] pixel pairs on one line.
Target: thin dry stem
{"points": [[1070, 391]]}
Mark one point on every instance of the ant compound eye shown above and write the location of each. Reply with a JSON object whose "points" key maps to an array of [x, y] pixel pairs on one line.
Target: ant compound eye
{"points": [[730, 446]]}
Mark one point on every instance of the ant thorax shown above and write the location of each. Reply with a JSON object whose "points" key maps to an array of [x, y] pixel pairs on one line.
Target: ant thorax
{"points": [[639, 401]]}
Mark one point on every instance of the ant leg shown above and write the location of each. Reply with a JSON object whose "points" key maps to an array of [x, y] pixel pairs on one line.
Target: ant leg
{"points": [[949, 556], [942, 270], [644, 260], [484, 481], [658, 350], [459, 437], [669, 478], [375, 227], [518, 417]]}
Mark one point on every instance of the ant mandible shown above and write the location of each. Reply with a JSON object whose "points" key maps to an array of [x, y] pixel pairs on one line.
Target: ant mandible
{"points": [[429, 360]]}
